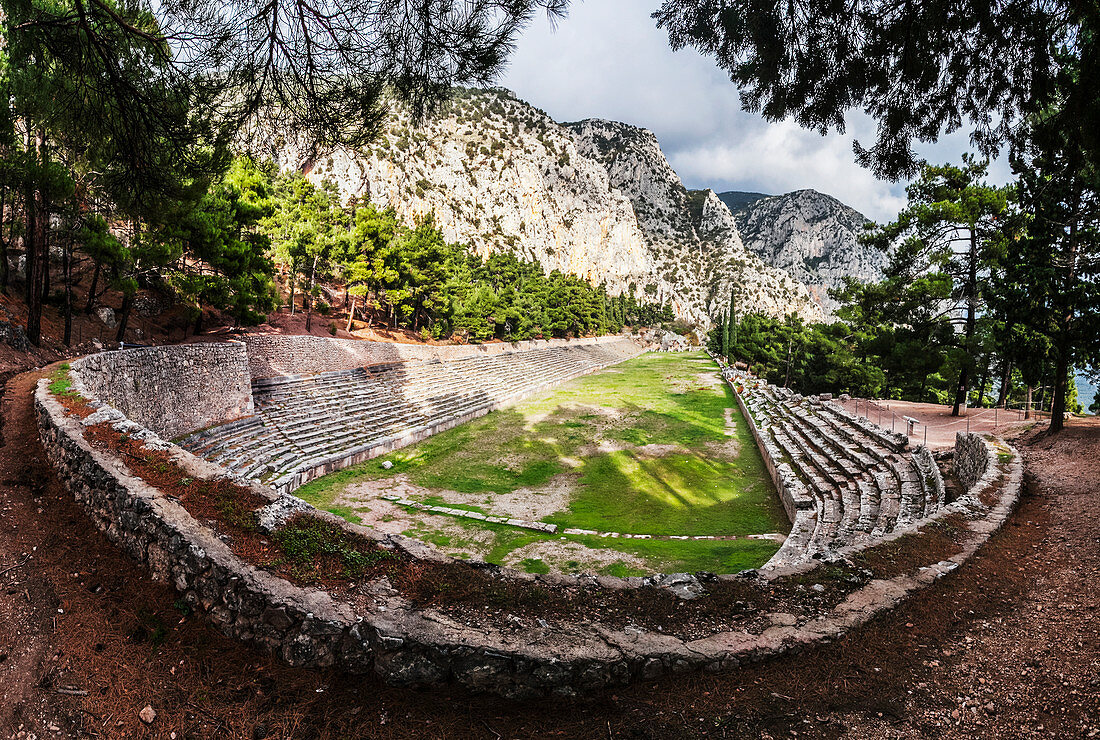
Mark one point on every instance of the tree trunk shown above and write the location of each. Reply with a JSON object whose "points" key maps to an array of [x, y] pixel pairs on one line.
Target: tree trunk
{"points": [[198, 322], [31, 246], [1061, 386], [981, 386], [1061, 370], [971, 321], [67, 271], [91, 291], [44, 224], [124, 316], [351, 314], [1027, 403], [4, 242], [308, 298], [292, 285], [29, 213], [1006, 380], [44, 219]]}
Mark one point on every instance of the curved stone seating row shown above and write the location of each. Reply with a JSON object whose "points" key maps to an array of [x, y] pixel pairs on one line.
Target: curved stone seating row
{"points": [[847, 480], [309, 425]]}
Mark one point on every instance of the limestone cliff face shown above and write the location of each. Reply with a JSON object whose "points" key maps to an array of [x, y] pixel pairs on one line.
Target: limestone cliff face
{"points": [[812, 236], [501, 175], [691, 234]]}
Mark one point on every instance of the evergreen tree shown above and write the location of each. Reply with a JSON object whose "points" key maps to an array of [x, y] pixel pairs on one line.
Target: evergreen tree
{"points": [[1053, 271], [950, 228], [919, 68]]}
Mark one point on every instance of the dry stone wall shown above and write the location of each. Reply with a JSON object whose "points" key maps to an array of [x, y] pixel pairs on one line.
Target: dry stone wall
{"points": [[971, 458], [271, 356], [171, 390], [407, 646], [418, 647]]}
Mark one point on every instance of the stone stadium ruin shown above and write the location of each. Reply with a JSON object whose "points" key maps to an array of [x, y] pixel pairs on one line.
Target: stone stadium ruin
{"points": [[872, 520]]}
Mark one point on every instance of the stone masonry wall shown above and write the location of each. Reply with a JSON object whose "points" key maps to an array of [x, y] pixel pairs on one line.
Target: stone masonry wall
{"points": [[171, 390], [274, 355], [971, 458], [409, 647], [930, 474]]}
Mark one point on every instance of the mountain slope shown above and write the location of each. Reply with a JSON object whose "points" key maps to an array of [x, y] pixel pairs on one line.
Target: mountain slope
{"points": [[501, 175], [735, 200], [691, 234], [812, 236]]}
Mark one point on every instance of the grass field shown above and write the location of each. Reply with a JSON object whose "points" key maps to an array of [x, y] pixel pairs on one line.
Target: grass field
{"points": [[652, 446]]}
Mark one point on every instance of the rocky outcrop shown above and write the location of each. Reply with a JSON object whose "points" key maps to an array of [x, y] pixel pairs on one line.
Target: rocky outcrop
{"points": [[813, 237], [691, 234], [501, 175]]}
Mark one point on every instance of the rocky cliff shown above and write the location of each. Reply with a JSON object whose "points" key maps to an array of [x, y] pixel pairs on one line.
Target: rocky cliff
{"points": [[499, 174], [813, 237], [691, 234]]}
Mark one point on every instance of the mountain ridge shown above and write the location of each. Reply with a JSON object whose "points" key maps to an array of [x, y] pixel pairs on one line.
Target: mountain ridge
{"points": [[593, 198], [814, 237]]}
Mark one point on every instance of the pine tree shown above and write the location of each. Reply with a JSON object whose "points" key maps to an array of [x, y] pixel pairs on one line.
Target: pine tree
{"points": [[950, 207], [1053, 271], [733, 319]]}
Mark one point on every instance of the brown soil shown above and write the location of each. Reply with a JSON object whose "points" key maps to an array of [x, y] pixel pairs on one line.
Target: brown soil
{"points": [[229, 509], [936, 420], [1008, 646]]}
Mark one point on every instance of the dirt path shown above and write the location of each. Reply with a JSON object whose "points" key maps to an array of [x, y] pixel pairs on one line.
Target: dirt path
{"points": [[1009, 646]]}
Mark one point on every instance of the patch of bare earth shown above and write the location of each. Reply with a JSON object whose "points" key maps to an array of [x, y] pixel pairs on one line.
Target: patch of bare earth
{"points": [[566, 556], [523, 503]]}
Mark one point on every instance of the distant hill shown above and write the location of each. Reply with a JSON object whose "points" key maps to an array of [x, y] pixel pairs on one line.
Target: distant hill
{"points": [[735, 200], [812, 236], [595, 199]]}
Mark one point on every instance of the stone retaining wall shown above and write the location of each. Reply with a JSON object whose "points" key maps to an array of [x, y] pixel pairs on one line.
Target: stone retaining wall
{"points": [[407, 647], [930, 476], [171, 389], [792, 493], [274, 355], [972, 457]]}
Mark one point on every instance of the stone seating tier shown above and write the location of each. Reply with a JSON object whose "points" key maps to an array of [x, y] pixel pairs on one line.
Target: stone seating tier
{"points": [[309, 423], [862, 480]]}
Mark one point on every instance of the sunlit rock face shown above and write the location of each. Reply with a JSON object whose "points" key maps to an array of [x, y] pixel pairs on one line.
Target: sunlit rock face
{"points": [[813, 237], [595, 199]]}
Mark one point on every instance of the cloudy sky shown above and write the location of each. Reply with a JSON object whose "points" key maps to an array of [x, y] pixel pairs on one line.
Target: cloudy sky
{"points": [[609, 60]]}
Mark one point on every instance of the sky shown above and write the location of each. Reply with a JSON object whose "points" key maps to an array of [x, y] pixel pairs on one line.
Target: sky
{"points": [[608, 59]]}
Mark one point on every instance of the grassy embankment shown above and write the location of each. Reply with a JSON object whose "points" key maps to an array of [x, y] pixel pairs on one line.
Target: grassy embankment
{"points": [[642, 448]]}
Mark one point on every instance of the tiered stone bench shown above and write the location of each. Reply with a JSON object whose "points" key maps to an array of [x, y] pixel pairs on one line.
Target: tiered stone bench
{"points": [[841, 479], [844, 480], [309, 425]]}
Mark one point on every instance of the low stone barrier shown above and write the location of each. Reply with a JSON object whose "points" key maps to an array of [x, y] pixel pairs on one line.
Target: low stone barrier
{"points": [[171, 389], [379, 632], [930, 479], [971, 458], [274, 355], [792, 492]]}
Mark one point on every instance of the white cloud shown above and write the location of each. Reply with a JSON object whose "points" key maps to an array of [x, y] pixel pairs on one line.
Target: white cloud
{"points": [[609, 60]]}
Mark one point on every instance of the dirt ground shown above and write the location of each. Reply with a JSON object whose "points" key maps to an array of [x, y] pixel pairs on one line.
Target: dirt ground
{"points": [[937, 421], [1008, 646]]}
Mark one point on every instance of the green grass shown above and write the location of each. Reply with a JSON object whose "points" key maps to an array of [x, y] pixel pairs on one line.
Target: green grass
{"points": [[534, 565], [346, 512], [439, 501], [61, 382], [694, 484]]}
